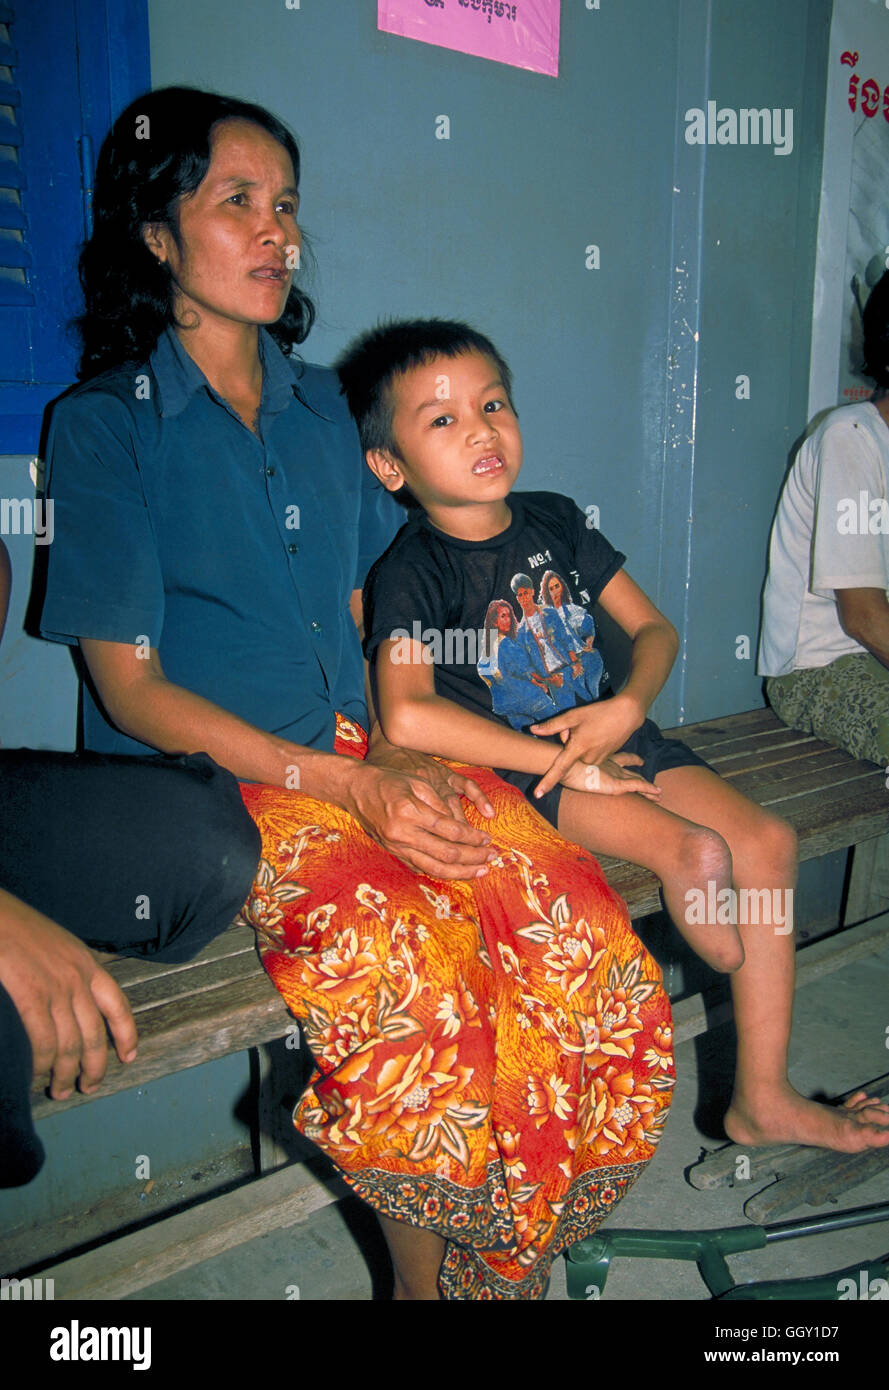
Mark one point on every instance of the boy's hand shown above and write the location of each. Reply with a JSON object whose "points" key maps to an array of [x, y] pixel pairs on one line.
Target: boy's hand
{"points": [[610, 777], [590, 734]]}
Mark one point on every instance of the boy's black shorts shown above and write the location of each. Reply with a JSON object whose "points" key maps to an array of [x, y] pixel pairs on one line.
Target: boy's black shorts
{"points": [[658, 754]]}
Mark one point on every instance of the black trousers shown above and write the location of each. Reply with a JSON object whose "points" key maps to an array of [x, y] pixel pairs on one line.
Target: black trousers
{"points": [[147, 857]]}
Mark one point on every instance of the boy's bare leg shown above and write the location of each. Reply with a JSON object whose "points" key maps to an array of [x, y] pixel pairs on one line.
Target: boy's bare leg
{"points": [[683, 854], [765, 1108], [416, 1259]]}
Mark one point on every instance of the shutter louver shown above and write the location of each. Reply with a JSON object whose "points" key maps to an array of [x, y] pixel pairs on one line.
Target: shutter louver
{"points": [[14, 255]]}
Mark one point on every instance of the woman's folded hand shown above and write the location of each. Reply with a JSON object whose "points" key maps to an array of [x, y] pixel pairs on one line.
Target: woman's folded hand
{"points": [[416, 814]]}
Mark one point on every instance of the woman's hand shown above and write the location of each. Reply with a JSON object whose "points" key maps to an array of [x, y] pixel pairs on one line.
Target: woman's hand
{"points": [[63, 997], [610, 777], [450, 786], [405, 813], [590, 734]]}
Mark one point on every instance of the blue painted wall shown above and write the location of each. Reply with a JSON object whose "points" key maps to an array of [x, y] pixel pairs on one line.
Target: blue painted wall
{"points": [[91, 1153], [758, 233]]}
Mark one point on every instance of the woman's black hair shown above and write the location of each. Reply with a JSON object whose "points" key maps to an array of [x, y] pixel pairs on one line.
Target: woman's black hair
{"points": [[876, 333], [157, 151]]}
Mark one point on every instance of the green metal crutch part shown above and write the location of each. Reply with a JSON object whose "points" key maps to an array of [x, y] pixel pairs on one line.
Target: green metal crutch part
{"points": [[590, 1260]]}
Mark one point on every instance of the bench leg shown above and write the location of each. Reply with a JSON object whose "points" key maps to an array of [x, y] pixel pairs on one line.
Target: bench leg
{"points": [[868, 892], [271, 1112]]}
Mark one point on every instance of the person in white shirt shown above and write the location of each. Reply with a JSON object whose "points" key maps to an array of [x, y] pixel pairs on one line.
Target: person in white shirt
{"points": [[824, 648]]}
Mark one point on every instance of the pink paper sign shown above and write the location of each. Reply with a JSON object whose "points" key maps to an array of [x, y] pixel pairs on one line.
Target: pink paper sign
{"points": [[524, 33]]}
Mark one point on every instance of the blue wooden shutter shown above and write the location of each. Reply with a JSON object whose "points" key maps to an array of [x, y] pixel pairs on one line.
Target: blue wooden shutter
{"points": [[67, 67], [14, 255]]}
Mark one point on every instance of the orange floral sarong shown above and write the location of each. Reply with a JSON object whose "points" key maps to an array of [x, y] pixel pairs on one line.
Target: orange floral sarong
{"points": [[494, 1057]]}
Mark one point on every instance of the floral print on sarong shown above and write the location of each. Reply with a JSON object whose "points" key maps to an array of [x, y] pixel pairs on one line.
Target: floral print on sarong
{"points": [[494, 1058]]}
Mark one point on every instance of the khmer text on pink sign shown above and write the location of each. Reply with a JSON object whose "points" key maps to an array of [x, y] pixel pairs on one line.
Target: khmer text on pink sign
{"points": [[524, 33]]}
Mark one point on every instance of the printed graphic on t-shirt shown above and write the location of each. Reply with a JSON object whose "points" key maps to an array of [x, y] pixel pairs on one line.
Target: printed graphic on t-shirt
{"points": [[538, 654]]}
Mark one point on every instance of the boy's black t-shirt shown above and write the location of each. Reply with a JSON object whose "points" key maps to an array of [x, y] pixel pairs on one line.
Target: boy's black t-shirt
{"points": [[522, 661]]}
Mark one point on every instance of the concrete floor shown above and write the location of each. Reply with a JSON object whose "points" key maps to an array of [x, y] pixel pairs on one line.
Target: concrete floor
{"points": [[840, 1040]]}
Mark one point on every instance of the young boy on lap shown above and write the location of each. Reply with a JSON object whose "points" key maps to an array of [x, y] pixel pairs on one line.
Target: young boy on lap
{"points": [[479, 628]]}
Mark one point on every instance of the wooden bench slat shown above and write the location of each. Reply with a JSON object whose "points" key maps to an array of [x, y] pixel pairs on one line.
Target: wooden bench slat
{"points": [[867, 793], [780, 764], [776, 753], [854, 822], [234, 941], [768, 785], [766, 741], [213, 975], [173, 1038], [780, 779], [783, 778], [765, 752], [715, 741], [748, 721], [715, 734], [768, 755]]}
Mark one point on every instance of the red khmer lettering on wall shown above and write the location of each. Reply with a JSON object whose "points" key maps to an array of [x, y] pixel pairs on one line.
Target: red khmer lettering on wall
{"points": [[865, 96]]}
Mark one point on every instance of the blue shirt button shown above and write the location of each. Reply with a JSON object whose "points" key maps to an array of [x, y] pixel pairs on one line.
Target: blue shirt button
{"points": [[293, 548], [316, 627], [270, 472]]}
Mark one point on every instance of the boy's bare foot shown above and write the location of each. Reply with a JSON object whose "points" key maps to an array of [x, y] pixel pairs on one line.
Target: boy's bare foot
{"points": [[786, 1117]]}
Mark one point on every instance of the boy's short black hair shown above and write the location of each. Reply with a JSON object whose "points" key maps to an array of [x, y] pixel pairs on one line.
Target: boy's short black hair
{"points": [[371, 363], [876, 333]]}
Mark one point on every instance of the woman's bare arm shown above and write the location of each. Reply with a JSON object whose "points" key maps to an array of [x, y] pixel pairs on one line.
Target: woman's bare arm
{"points": [[401, 816]]}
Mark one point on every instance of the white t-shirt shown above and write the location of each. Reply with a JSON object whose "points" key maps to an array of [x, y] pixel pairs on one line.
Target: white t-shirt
{"points": [[831, 532], [551, 660]]}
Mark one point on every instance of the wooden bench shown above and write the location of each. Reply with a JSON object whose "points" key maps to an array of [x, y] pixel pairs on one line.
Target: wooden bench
{"points": [[223, 1002]]}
